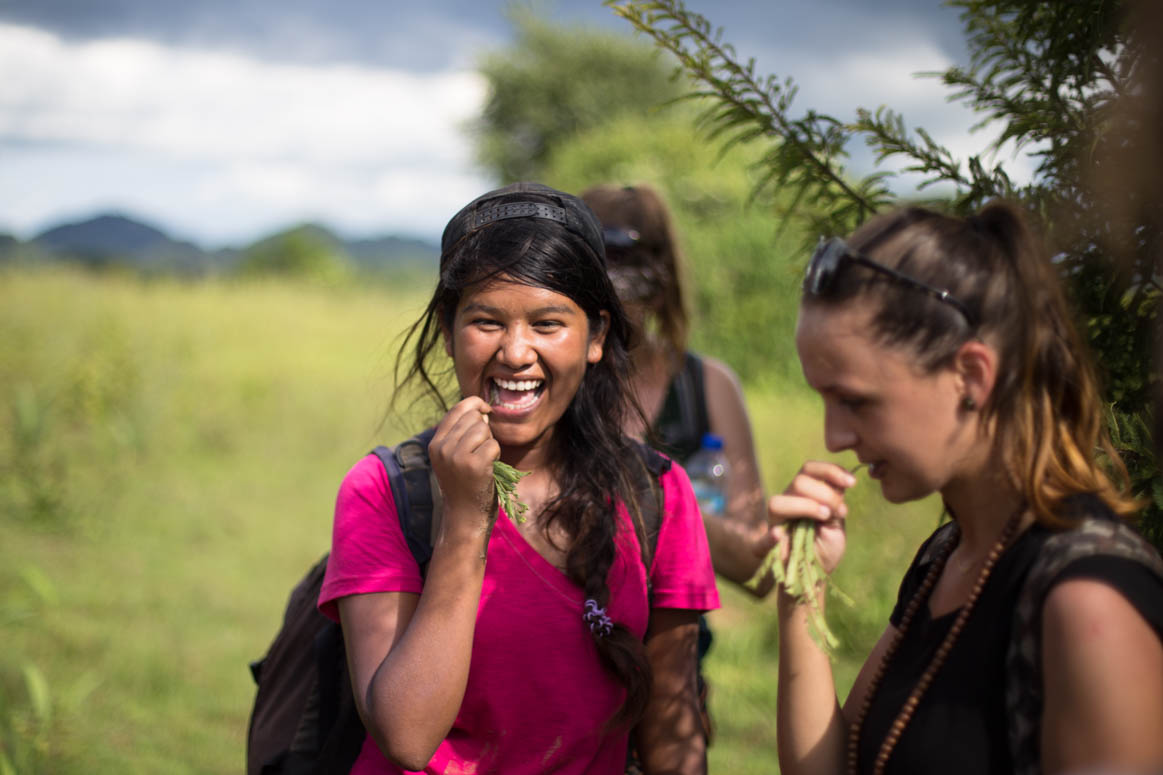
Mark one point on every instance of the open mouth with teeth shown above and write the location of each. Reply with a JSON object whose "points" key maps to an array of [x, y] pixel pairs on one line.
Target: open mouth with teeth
{"points": [[514, 394]]}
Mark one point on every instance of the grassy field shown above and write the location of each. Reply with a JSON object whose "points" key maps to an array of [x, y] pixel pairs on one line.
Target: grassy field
{"points": [[169, 455]]}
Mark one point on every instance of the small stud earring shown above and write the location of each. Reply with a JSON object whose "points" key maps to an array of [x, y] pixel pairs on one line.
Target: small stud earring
{"points": [[968, 404]]}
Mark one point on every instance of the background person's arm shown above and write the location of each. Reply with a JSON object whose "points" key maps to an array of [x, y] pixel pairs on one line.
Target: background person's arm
{"points": [[670, 736], [737, 539]]}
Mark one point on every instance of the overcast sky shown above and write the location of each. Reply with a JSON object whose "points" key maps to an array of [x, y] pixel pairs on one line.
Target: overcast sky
{"points": [[223, 120]]}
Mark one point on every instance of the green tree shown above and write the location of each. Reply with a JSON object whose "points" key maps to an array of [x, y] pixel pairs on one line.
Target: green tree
{"points": [[1058, 79], [306, 252], [556, 81], [742, 281]]}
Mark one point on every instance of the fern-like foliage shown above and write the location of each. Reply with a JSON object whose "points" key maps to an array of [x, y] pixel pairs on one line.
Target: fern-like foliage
{"points": [[804, 153], [1067, 83]]}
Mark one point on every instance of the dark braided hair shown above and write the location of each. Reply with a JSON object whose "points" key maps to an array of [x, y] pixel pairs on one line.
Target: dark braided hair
{"points": [[590, 454]]}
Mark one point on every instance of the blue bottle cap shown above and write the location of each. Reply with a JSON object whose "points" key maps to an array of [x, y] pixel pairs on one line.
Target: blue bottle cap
{"points": [[712, 441]]}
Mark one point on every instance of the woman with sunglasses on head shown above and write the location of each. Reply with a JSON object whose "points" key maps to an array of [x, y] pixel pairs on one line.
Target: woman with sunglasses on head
{"points": [[529, 645], [685, 395], [947, 361]]}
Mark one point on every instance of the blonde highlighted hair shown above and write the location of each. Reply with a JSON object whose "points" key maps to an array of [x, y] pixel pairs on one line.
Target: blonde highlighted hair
{"points": [[1045, 406]]}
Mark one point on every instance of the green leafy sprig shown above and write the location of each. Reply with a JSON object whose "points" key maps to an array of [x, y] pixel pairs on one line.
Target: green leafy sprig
{"points": [[505, 477], [800, 578]]}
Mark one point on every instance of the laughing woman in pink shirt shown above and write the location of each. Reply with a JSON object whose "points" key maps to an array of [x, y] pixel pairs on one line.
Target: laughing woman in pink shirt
{"points": [[538, 645]]}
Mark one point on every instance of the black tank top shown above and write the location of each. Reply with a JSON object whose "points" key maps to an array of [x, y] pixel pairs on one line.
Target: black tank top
{"points": [[678, 430], [960, 725]]}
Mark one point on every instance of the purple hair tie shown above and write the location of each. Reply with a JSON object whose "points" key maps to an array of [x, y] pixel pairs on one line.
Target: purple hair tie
{"points": [[595, 616]]}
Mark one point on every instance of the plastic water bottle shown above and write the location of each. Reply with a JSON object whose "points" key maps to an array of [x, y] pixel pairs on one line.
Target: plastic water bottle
{"points": [[707, 469]]}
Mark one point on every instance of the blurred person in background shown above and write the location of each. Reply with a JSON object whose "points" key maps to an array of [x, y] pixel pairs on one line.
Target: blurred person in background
{"points": [[683, 395], [1028, 632]]}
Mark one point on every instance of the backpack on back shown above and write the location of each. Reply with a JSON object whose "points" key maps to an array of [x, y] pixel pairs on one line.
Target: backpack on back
{"points": [[304, 720], [1101, 535]]}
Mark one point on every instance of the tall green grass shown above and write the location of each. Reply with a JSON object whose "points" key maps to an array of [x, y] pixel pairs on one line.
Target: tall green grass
{"points": [[169, 456]]}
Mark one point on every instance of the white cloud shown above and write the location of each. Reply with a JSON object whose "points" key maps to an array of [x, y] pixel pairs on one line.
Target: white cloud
{"points": [[223, 147], [279, 141]]}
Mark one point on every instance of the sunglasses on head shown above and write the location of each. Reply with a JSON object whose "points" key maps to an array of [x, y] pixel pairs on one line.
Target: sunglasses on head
{"points": [[833, 255], [620, 238]]}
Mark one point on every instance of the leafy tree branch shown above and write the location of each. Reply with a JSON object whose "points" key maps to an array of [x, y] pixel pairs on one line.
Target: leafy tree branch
{"points": [[746, 107], [1070, 84]]}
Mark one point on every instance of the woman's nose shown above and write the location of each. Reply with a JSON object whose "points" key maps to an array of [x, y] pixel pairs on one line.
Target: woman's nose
{"points": [[838, 432], [516, 348]]}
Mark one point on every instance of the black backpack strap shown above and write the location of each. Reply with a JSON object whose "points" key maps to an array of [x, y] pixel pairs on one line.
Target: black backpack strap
{"points": [[695, 395], [647, 466], [683, 419], [410, 476]]}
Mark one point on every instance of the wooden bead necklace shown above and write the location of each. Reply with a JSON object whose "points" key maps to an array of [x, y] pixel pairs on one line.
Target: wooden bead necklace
{"points": [[922, 596]]}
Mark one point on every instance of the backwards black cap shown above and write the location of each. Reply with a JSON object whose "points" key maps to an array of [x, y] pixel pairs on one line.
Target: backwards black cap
{"points": [[568, 210]]}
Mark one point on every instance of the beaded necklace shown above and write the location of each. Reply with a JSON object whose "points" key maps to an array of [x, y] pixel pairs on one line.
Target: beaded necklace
{"points": [[922, 595]]}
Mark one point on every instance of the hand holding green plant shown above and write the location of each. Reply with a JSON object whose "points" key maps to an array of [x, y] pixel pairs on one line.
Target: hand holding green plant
{"points": [[802, 575], [505, 479]]}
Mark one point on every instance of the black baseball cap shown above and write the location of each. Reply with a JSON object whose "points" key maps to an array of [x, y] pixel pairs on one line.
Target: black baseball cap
{"points": [[564, 208]]}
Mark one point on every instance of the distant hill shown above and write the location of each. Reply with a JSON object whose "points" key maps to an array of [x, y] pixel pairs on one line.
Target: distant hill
{"points": [[118, 239], [105, 234]]}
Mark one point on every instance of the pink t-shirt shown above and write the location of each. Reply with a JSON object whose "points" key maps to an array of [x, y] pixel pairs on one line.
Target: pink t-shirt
{"points": [[537, 696]]}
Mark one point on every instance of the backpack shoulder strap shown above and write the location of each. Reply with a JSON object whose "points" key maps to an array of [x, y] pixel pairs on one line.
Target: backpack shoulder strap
{"points": [[415, 494], [1093, 536], [683, 418], [647, 465], [693, 368]]}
